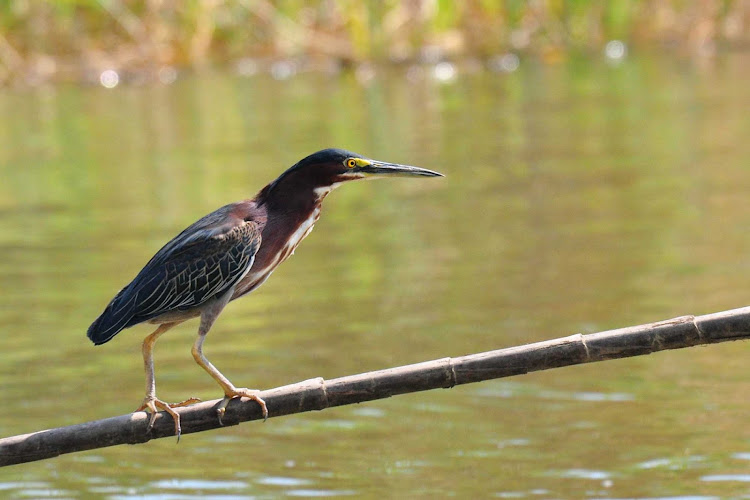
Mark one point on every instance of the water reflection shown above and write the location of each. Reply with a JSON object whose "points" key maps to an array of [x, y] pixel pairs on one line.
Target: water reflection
{"points": [[742, 478], [282, 481], [578, 197]]}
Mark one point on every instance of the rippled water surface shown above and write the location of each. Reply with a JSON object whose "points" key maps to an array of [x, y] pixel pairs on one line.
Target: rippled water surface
{"points": [[578, 197]]}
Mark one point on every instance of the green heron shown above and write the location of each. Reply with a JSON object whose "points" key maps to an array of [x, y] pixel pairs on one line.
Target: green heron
{"points": [[226, 254]]}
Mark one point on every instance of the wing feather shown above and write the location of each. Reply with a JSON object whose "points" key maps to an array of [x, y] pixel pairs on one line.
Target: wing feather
{"points": [[203, 262], [197, 272]]}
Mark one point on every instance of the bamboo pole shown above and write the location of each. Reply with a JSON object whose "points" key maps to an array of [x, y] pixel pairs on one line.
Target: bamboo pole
{"points": [[318, 394]]}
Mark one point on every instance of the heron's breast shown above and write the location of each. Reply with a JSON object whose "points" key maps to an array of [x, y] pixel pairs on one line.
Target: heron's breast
{"points": [[267, 261]]}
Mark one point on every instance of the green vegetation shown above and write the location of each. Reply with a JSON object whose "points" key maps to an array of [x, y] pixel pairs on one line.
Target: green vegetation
{"points": [[68, 39]]}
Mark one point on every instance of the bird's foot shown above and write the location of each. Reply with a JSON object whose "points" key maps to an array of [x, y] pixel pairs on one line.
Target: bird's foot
{"points": [[240, 393], [153, 405]]}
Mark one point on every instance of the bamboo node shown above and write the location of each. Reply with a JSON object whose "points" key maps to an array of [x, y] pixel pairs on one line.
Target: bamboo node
{"points": [[582, 339], [324, 391], [701, 335], [452, 369]]}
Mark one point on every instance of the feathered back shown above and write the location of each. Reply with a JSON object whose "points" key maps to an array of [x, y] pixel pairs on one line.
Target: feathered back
{"points": [[204, 261]]}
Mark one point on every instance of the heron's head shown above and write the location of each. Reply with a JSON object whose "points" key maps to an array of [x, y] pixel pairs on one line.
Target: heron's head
{"points": [[329, 168]]}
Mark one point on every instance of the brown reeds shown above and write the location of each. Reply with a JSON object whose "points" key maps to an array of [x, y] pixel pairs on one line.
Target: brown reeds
{"points": [[78, 39]]}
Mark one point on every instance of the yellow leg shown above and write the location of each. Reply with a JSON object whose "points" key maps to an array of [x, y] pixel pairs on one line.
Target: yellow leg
{"points": [[151, 402], [230, 391]]}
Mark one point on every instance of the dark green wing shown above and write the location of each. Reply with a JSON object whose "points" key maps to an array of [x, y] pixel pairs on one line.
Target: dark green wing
{"points": [[203, 262]]}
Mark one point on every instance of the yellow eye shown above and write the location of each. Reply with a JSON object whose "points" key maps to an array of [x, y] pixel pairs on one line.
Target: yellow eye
{"points": [[351, 163]]}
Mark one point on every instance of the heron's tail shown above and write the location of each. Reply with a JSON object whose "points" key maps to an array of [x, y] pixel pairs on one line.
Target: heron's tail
{"points": [[116, 317]]}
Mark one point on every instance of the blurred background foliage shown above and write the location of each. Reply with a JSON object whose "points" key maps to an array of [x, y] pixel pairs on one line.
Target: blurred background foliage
{"points": [[78, 39], [596, 177]]}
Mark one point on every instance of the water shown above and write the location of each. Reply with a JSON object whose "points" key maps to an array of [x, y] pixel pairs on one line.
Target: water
{"points": [[578, 197]]}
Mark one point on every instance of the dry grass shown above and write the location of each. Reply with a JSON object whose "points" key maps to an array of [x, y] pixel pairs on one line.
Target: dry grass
{"points": [[77, 39]]}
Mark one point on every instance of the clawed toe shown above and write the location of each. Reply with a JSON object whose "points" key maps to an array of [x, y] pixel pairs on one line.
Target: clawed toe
{"points": [[241, 393], [153, 405]]}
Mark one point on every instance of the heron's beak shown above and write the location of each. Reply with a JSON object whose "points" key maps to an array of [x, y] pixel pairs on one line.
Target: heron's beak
{"points": [[383, 169]]}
